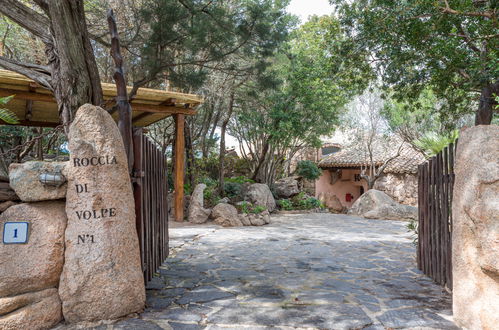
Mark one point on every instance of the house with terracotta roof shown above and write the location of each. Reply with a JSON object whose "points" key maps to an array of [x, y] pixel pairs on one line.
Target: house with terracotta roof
{"points": [[341, 174]]}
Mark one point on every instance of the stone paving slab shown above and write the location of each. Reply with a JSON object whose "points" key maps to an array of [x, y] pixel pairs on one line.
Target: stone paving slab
{"points": [[303, 271]]}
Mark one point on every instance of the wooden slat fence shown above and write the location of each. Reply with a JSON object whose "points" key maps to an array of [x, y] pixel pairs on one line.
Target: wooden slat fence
{"points": [[150, 181], [436, 181]]}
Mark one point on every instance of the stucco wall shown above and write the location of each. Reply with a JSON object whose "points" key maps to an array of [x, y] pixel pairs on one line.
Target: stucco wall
{"points": [[403, 188], [342, 187]]}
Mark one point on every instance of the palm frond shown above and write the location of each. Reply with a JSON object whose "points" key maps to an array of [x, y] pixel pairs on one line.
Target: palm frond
{"points": [[5, 114]]}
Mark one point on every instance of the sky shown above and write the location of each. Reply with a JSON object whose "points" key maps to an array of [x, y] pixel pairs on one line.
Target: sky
{"points": [[305, 8]]}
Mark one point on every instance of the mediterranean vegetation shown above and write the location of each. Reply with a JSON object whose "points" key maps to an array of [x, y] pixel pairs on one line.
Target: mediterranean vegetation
{"points": [[273, 84]]}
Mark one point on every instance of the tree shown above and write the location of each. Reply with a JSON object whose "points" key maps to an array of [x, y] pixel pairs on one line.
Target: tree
{"points": [[449, 46], [308, 169], [423, 120], [71, 71], [298, 101], [372, 137]]}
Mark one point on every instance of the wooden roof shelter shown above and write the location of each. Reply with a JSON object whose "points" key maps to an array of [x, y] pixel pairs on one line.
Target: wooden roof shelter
{"points": [[35, 106]]}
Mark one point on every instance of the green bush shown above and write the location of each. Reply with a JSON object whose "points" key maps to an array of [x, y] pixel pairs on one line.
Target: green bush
{"points": [[300, 202], [412, 227], [209, 182], [257, 209], [239, 179], [247, 208], [309, 203], [232, 189], [308, 169], [285, 204]]}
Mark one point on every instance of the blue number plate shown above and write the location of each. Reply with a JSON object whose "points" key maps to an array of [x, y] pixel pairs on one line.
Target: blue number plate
{"points": [[15, 233]]}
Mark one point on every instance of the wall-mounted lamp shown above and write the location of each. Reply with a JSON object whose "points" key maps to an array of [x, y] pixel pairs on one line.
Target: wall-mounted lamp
{"points": [[55, 179]]}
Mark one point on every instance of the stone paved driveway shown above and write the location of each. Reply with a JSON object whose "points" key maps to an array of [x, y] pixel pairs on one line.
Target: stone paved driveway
{"points": [[313, 271]]}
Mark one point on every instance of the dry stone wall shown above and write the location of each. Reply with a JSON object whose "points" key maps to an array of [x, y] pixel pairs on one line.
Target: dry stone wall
{"points": [[30, 272], [403, 188]]}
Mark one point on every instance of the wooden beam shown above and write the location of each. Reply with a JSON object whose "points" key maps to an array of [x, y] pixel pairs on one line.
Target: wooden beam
{"points": [[28, 111], [178, 198], [163, 109], [24, 95], [32, 123], [168, 109], [141, 116]]}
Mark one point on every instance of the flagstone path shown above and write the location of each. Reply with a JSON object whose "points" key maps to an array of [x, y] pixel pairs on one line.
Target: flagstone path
{"points": [[307, 271]]}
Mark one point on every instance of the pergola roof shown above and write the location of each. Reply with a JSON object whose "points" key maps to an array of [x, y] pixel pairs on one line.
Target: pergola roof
{"points": [[35, 105]]}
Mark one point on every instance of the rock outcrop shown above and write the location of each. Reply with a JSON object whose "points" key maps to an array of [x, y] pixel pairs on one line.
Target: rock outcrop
{"points": [[102, 275], [475, 234], [255, 219], [375, 204], [331, 201], [226, 215], [29, 273], [25, 180], [286, 187], [260, 194], [34, 310], [196, 212], [37, 265]]}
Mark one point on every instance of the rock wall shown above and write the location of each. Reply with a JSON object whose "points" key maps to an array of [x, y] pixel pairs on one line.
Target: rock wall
{"points": [[403, 188], [475, 235], [77, 258], [29, 273]]}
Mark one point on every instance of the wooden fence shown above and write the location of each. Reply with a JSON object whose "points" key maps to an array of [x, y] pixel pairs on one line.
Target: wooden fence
{"points": [[150, 181], [436, 181]]}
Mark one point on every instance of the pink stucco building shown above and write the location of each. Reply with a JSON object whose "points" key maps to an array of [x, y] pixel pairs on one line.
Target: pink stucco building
{"points": [[340, 179]]}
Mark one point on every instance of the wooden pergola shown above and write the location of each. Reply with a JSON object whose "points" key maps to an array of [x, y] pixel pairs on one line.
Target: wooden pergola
{"points": [[36, 106]]}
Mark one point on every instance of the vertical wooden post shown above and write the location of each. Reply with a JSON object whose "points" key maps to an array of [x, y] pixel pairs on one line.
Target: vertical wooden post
{"points": [[178, 197]]}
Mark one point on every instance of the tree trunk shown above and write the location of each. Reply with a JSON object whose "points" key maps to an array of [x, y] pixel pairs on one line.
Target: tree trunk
{"points": [[71, 73], [487, 104], [75, 77], [221, 159], [262, 160], [124, 108]]}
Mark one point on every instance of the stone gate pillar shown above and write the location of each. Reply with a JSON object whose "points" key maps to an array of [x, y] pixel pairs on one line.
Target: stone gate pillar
{"points": [[102, 275], [475, 235]]}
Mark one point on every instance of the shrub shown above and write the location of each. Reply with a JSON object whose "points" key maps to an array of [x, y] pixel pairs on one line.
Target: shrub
{"points": [[209, 182], [247, 207], [257, 209], [308, 169], [285, 204], [239, 179], [304, 202], [232, 189], [412, 227], [310, 203]]}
